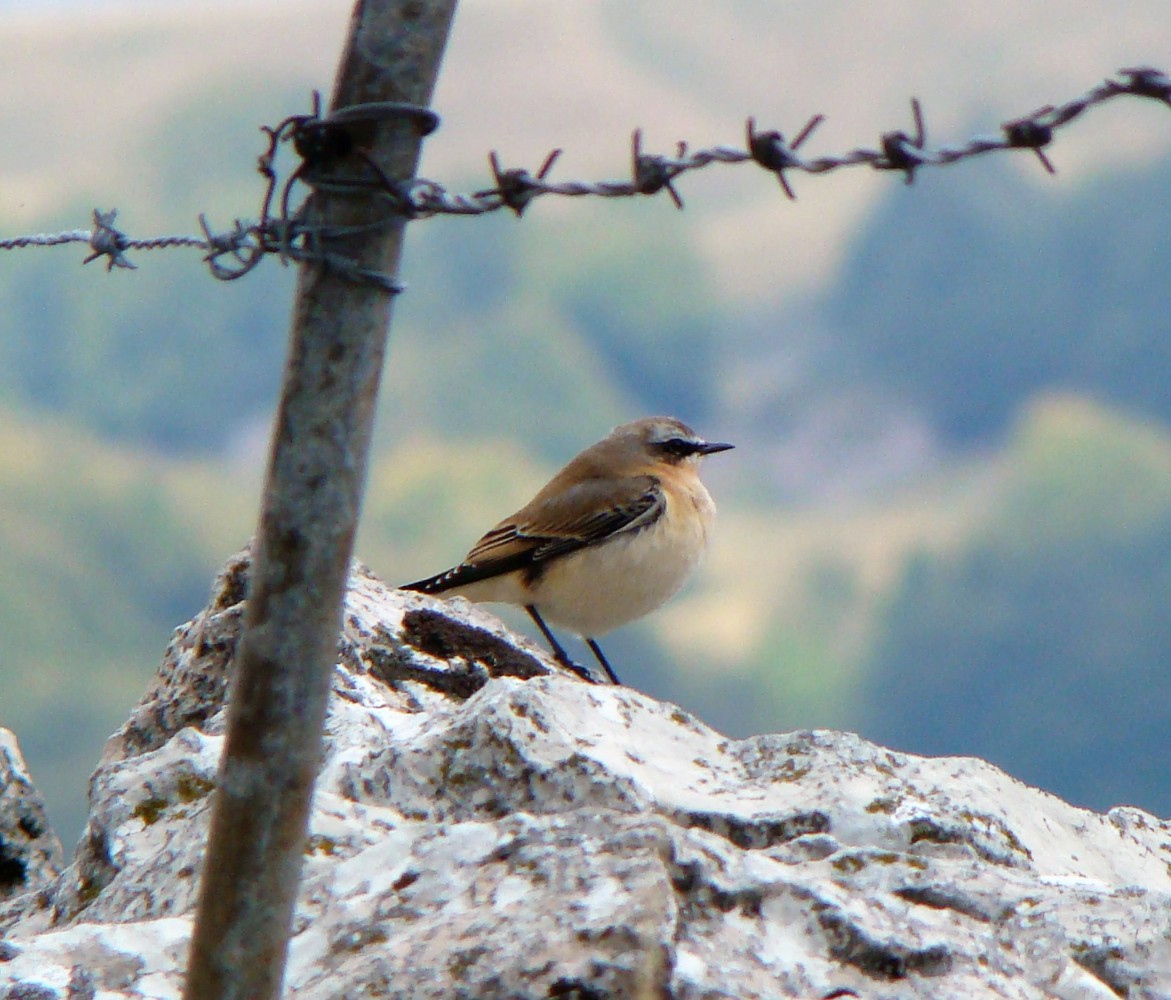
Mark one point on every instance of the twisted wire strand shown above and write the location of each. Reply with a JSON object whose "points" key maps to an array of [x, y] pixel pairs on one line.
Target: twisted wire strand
{"points": [[324, 141]]}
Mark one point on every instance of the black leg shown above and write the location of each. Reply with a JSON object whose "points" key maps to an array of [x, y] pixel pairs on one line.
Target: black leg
{"points": [[597, 650], [559, 653]]}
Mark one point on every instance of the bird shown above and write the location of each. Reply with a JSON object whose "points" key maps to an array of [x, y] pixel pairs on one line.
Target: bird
{"points": [[607, 540]]}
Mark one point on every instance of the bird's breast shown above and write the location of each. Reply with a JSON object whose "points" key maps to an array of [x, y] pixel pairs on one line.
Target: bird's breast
{"points": [[599, 588]]}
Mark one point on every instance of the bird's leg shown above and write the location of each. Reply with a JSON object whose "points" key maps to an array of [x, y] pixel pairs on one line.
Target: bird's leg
{"points": [[559, 653], [597, 651]]}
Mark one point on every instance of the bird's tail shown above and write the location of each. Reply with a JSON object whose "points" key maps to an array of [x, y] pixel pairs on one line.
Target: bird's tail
{"points": [[435, 584], [458, 576]]}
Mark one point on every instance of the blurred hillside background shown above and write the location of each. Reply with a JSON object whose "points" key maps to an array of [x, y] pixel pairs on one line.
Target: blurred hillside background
{"points": [[947, 524]]}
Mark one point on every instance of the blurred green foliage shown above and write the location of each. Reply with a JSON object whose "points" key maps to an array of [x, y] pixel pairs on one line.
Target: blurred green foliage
{"points": [[980, 286], [1042, 644], [162, 357], [104, 551]]}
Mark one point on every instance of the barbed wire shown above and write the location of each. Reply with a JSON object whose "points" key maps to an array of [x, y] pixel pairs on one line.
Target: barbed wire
{"points": [[325, 143]]}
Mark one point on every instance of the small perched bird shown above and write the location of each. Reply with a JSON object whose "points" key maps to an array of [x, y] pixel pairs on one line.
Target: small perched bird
{"points": [[609, 539]]}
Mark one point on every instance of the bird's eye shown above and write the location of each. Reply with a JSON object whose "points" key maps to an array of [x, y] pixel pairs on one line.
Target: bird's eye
{"points": [[678, 447]]}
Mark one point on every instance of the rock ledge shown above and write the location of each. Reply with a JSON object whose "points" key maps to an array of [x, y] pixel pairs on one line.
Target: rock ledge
{"points": [[486, 826]]}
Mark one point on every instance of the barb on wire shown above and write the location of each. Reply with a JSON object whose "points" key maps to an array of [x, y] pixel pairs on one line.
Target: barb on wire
{"points": [[900, 151], [652, 174], [334, 158], [107, 241], [518, 187], [768, 150], [1032, 132]]}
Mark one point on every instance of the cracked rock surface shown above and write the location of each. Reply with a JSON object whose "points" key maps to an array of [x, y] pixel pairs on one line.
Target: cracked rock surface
{"points": [[487, 826], [30, 853]]}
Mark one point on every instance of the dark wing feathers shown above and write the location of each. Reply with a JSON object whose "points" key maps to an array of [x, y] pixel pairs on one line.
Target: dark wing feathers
{"points": [[597, 527], [465, 573], [584, 515]]}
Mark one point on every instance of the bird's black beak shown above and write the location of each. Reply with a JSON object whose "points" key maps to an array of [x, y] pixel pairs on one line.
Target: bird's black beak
{"points": [[711, 447]]}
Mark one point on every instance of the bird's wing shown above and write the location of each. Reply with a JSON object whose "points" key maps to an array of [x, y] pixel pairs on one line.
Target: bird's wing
{"points": [[586, 514]]}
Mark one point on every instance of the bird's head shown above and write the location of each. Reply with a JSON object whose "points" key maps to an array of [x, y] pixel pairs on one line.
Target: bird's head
{"points": [[665, 439]]}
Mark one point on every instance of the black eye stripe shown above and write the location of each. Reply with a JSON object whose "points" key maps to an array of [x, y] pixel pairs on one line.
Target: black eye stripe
{"points": [[679, 447]]}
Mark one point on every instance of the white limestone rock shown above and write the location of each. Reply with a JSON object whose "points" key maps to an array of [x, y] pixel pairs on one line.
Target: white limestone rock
{"points": [[30, 853], [486, 826]]}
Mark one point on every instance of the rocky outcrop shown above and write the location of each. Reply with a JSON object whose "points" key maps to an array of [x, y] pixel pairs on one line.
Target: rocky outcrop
{"points": [[30, 853], [486, 826]]}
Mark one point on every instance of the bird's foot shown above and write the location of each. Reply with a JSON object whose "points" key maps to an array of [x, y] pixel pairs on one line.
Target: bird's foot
{"points": [[585, 673]]}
